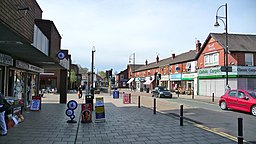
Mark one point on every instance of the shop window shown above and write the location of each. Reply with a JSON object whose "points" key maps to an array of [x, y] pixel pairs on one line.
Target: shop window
{"points": [[211, 59], [248, 59]]}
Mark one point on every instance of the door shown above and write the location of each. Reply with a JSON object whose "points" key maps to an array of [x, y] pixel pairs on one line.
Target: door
{"points": [[232, 99], [242, 103]]}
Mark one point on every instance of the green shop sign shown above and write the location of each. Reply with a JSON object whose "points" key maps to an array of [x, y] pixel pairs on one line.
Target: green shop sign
{"points": [[237, 71]]}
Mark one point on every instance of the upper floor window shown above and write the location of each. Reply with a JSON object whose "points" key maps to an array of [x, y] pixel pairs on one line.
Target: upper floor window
{"points": [[188, 67], [248, 59], [211, 59], [177, 68], [148, 72]]}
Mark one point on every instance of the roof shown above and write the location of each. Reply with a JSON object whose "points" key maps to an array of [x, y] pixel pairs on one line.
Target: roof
{"points": [[236, 42], [184, 57], [135, 66]]}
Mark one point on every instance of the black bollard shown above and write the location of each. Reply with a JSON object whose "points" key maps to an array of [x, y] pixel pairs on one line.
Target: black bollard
{"points": [[181, 115], [139, 102], [240, 131], [192, 95], [178, 94], [154, 105], [212, 97]]}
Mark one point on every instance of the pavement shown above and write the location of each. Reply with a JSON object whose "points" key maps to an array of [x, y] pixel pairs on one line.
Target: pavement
{"points": [[124, 123]]}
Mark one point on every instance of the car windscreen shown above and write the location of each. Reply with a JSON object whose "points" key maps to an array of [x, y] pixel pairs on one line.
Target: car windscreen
{"points": [[162, 89], [252, 94]]}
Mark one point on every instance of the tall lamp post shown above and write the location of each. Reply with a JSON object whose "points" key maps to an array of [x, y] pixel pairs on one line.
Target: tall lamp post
{"points": [[92, 89], [226, 28]]}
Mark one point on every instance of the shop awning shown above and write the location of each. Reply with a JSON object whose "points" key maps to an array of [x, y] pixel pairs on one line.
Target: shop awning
{"points": [[148, 81], [130, 80]]}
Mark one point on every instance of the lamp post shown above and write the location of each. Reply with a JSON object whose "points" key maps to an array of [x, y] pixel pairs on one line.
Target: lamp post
{"points": [[226, 34], [93, 50]]}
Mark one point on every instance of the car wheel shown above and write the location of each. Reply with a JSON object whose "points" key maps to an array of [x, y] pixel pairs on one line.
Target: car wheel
{"points": [[223, 105], [253, 110]]}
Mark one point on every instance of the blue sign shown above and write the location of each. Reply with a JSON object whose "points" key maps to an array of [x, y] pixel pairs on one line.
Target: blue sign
{"points": [[72, 105], [175, 76]]}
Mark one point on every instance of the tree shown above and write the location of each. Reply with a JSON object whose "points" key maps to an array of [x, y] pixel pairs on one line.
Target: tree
{"points": [[72, 78], [102, 74]]}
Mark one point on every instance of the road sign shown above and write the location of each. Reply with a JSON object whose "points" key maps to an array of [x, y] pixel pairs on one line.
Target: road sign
{"points": [[223, 69]]}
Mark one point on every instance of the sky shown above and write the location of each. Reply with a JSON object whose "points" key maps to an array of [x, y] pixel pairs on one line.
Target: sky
{"points": [[118, 29]]}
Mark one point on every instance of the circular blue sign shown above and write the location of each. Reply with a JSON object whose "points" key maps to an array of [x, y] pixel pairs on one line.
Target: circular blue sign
{"points": [[61, 55], [72, 104], [69, 112]]}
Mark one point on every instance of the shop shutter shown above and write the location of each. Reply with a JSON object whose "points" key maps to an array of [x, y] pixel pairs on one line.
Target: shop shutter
{"points": [[220, 87]]}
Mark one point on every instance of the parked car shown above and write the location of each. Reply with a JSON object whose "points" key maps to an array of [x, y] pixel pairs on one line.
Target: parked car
{"points": [[242, 100], [161, 91]]}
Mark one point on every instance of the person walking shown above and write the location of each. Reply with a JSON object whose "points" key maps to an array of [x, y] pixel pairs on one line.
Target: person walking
{"points": [[3, 108], [80, 92]]}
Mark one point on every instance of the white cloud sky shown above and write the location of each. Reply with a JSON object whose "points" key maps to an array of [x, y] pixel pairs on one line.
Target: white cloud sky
{"points": [[118, 28]]}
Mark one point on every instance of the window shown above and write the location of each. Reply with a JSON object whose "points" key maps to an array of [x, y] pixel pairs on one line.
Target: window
{"points": [[177, 68], [188, 67], [240, 94], [248, 59], [232, 93], [211, 59]]}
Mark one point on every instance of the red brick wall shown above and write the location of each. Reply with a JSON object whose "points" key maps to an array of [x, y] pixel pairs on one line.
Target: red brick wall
{"points": [[22, 24], [212, 46]]}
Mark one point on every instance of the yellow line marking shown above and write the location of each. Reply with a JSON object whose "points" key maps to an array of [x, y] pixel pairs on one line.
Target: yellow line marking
{"points": [[215, 131]]}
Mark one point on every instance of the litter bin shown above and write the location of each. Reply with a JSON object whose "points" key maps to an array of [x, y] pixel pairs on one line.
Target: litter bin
{"points": [[89, 100], [115, 94], [147, 90], [141, 89]]}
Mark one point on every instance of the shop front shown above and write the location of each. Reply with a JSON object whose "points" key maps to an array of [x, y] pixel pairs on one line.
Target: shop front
{"points": [[190, 83], [23, 82], [176, 84], [165, 81], [149, 83], [130, 82], [5, 62], [213, 80]]}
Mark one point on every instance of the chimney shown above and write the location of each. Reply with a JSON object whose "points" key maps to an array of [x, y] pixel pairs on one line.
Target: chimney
{"points": [[173, 55], [198, 46], [146, 62], [157, 59]]}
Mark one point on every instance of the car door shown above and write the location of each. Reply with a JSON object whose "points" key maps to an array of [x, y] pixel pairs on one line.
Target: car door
{"points": [[231, 99], [242, 103]]}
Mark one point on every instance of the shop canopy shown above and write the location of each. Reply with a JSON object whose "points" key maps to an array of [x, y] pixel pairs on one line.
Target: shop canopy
{"points": [[130, 80], [148, 81]]}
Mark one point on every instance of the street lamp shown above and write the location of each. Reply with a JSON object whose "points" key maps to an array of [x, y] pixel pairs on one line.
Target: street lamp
{"points": [[93, 50], [226, 28]]}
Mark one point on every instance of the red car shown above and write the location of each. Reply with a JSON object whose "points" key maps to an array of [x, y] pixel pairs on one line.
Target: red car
{"points": [[242, 100]]}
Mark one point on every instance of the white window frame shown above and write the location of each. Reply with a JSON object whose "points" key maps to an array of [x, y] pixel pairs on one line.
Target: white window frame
{"points": [[246, 57], [211, 59]]}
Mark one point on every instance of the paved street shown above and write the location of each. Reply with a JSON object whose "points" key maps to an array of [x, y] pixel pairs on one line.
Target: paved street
{"points": [[125, 123]]}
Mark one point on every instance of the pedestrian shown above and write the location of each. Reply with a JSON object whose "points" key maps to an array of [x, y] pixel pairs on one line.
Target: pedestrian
{"points": [[227, 87], [80, 92], [4, 105]]}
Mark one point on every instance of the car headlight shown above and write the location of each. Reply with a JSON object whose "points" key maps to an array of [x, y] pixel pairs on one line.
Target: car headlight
{"points": [[161, 93]]}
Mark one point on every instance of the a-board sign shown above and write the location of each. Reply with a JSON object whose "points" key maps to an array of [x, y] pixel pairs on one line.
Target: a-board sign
{"points": [[35, 103], [86, 113], [99, 109]]}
